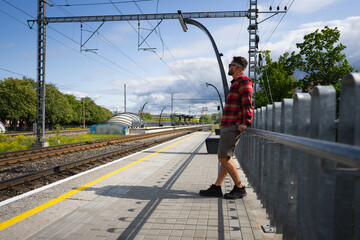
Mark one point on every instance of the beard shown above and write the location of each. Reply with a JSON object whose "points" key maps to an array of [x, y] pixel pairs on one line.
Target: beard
{"points": [[230, 73]]}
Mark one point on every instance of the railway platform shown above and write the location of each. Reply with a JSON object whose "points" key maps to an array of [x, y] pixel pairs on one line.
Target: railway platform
{"points": [[152, 194]]}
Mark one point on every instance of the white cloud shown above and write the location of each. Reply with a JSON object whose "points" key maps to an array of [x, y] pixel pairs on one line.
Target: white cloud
{"points": [[349, 35], [188, 83], [9, 45], [192, 49], [119, 32], [77, 94], [103, 73], [310, 6]]}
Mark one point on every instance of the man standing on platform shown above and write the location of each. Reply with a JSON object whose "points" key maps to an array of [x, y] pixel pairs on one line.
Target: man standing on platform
{"points": [[237, 116]]}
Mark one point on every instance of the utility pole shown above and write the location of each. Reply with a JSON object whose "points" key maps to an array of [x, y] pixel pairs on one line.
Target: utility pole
{"points": [[83, 112], [172, 103], [253, 44], [41, 47], [254, 40]]}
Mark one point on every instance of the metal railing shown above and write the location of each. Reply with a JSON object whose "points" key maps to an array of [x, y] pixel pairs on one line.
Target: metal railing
{"points": [[304, 164]]}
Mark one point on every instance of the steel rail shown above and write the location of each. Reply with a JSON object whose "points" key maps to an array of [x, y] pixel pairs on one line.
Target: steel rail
{"points": [[48, 132], [342, 153], [32, 154], [27, 178]]}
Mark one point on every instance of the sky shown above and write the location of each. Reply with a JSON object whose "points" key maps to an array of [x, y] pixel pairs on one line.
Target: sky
{"points": [[170, 62]]}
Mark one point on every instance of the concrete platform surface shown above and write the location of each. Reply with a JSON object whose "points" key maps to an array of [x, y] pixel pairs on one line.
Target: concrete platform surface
{"points": [[148, 195]]}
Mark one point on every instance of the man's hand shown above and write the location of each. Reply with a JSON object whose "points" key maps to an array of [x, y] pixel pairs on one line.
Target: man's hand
{"points": [[241, 128]]}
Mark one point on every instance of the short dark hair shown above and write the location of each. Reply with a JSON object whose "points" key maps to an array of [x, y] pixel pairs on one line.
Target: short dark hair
{"points": [[241, 61]]}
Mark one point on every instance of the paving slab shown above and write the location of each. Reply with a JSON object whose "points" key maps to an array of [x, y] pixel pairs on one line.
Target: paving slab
{"points": [[152, 195]]}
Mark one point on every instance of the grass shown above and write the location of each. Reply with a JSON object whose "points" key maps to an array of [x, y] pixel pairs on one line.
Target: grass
{"points": [[10, 144]]}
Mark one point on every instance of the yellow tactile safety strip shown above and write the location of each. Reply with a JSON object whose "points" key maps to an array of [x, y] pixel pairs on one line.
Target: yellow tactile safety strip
{"points": [[33, 211]]}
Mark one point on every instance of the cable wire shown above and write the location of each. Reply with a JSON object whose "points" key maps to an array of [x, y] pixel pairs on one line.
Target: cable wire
{"points": [[185, 75], [124, 69], [23, 75], [172, 70], [112, 46], [95, 4], [278, 24], [238, 35]]}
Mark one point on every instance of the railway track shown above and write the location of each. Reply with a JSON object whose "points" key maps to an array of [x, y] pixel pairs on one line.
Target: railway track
{"points": [[48, 133], [33, 154], [29, 181]]}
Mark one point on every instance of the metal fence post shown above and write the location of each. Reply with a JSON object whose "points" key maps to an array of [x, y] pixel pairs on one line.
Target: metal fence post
{"points": [[253, 148], [348, 187], [255, 143], [321, 186], [267, 157], [284, 166], [261, 158], [294, 225], [259, 121], [274, 164]]}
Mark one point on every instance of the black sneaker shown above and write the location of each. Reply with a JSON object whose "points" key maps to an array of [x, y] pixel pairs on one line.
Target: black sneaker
{"points": [[236, 193], [212, 191]]}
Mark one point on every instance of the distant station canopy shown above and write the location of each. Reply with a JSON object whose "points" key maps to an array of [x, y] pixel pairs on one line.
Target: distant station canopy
{"points": [[129, 120], [2, 128]]}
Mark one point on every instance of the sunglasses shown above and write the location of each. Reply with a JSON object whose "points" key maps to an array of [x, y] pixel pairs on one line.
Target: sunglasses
{"points": [[232, 65]]}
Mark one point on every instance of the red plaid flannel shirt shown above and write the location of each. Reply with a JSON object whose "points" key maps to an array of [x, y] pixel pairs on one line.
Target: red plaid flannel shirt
{"points": [[238, 106]]}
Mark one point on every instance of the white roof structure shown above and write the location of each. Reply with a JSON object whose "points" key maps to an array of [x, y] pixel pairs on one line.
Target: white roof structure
{"points": [[2, 127], [126, 119]]}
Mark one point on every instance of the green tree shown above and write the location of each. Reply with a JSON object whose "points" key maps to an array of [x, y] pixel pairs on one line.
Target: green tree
{"points": [[205, 118], [216, 117], [276, 80], [17, 100], [175, 120], [57, 107], [147, 116], [76, 107], [321, 59], [106, 114], [94, 113], [18, 103]]}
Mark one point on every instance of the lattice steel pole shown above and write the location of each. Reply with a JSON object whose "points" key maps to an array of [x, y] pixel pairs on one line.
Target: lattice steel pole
{"points": [[253, 43], [40, 108]]}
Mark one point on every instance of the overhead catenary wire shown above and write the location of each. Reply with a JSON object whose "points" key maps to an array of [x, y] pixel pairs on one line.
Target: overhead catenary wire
{"points": [[20, 74], [70, 38], [278, 24], [238, 35], [116, 49], [172, 56], [266, 27], [161, 58], [127, 72], [56, 40], [108, 41], [95, 4]]}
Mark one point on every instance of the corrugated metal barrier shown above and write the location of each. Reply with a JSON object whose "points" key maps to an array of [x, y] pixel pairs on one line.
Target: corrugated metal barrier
{"points": [[303, 162]]}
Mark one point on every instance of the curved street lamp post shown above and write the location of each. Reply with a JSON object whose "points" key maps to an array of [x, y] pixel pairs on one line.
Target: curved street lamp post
{"points": [[141, 113], [222, 107], [160, 116], [183, 22]]}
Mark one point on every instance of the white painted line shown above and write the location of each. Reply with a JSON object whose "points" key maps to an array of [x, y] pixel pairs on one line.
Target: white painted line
{"points": [[13, 199]]}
